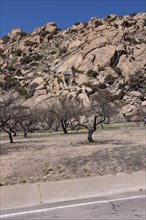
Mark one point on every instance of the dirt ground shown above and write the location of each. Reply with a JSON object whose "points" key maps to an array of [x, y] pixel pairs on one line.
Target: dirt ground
{"points": [[47, 156]]}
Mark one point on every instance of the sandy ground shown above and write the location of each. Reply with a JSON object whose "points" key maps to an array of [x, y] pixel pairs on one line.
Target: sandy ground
{"points": [[48, 156]]}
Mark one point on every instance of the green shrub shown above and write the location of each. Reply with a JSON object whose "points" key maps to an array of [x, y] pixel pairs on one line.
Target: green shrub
{"points": [[131, 40], [92, 73], [6, 39], [109, 79], [136, 81], [101, 86], [133, 14], [121, 85], [18, 52], [116, 25], [117, 70], [10, 83], [85, 24], [63, 50], [98, 23], [77, 23], [37, 57], [30, 43], [26, 59], [11, 68], [101, 68]]}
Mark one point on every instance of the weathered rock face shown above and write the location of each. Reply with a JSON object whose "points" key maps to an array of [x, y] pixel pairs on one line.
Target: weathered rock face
{"points": [[108, 53]]}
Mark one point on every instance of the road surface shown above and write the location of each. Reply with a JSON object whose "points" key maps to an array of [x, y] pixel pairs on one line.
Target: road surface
{"points": [[128, 206]]}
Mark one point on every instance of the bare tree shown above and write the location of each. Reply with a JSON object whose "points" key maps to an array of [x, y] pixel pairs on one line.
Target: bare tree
{"points": [[65, 111], [9, 113], [99, 111]]}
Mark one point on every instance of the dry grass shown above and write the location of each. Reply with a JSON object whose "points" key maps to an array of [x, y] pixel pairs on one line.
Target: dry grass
{"points": [[47, 156]]}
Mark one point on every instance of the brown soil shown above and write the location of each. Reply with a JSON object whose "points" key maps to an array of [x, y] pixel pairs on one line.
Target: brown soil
{"points": [[48, 156]]}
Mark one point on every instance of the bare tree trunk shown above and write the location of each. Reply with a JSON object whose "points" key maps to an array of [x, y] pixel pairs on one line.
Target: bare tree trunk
{"points": [[90, 131], [64, 127], [10, 137], [10, 134]]}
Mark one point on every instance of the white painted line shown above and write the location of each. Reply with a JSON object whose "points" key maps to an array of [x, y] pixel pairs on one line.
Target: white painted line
{"points": [[69, 206]]}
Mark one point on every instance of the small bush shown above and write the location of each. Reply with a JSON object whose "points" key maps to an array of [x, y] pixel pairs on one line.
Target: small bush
{"points": [[11, 68], [26, 59], [18, 52], [126, 24], [131, 40], [77, 23], [117, 70], [85, 24], [101, 68], [30, 43], [37, 57], [6, 39], [109, 79], [10, 83], [63, 50], [116, 25], [92, 73], [101, 86], [133, 14], [121, 85], [98, 23]]}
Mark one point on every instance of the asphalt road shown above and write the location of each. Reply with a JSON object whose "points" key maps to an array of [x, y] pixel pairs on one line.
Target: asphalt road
{"points": [[128, 206]]}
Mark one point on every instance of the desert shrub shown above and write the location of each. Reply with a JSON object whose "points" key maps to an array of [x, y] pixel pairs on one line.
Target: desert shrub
{"points": [[22, 91], [10, 83], [102, 86], [62, 51], [6, 39], [30, 43], [126, 24], [75, 70], [77, 23], [98, 23], [53, 52], [101, 68], [18, 52], [136, 81], [23, 34], [109, 79], [117, 70], [11, 68], [50, 37], [142, 40], [26, 59], [133, 14], [82, 31], [43, 33], [4, 56], [116, 25], [131, 40], [121, 85], [37, 57], [92, 73], [85, 24]]}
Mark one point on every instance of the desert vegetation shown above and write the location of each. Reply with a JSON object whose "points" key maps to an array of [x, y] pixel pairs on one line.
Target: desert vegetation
{"points": [[58, 113]]}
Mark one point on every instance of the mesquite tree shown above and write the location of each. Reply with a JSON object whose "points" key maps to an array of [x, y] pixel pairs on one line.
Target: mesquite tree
{"points": [[99, 110], [9, 113]]}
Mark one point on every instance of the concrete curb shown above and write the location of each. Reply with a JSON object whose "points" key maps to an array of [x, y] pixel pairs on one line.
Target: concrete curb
{"points": [[46, 192]]}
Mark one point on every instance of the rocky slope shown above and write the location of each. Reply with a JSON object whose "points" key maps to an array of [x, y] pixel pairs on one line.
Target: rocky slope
{"points": [[108, 53]]}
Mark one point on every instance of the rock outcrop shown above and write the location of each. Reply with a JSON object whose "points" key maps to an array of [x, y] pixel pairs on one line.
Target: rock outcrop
{"points": [[108, 53]]}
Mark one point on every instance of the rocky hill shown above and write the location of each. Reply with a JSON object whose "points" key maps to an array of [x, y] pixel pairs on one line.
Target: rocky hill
{"points": [[108, 53]]}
